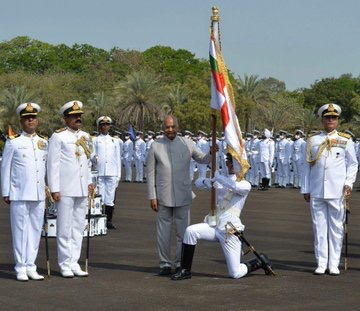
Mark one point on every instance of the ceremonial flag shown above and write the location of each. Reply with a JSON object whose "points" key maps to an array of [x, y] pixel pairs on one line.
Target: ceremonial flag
{"points": [[132, 133], [222, 98]]}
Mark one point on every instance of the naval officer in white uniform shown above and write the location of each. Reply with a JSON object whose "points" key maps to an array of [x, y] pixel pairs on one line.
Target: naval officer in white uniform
{"points": [[108, 165], [23, 187], [231, 195], [329, 174], [69, 178]]}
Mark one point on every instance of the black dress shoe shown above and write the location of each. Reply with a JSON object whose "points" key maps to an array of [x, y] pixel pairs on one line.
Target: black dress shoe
{"points": [[165, 271], [110, 225], [183, 274], [177, 270]]}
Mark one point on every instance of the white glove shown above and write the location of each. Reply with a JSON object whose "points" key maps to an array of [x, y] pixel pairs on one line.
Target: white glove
{"points": [[207, 182], [217, 185]]}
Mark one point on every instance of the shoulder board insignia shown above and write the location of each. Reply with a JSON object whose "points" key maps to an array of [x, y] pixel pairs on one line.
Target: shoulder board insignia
{"points": [[43, 137], [344, 135], [313, 134], [14, 136], [60, 130]]}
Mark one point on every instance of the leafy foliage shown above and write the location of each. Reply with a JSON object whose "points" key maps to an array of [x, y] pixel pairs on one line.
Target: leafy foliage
{"points": [[141, 87]]}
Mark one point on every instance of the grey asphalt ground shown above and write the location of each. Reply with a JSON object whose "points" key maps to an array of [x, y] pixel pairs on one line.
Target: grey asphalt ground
{"points": [[123, 265]]}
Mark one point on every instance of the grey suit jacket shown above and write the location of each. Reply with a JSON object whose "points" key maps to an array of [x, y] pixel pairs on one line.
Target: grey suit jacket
{"points": [[168, 170]]}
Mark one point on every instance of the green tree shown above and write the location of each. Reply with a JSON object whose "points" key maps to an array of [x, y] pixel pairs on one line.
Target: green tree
{"points": [[100, 104], [139, 99], [10, 99], [340, 91], [309, 120], [175, 94], [174, 65], [251, 94], [281, 112]]}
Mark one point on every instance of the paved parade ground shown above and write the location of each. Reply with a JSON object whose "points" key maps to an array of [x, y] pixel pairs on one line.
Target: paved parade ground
{"points": [[123, 265]]}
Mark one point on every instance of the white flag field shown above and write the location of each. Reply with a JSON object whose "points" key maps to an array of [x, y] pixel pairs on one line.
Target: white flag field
{"points": [[222, 99]]}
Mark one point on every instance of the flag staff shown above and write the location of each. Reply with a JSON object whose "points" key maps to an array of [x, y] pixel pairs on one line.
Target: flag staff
{"points": [[215, 32]]}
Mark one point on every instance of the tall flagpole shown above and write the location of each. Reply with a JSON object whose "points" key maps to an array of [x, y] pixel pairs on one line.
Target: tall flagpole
{"points": [[215, 32]]}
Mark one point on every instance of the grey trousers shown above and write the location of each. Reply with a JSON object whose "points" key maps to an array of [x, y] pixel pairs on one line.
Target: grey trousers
{"points": [[164, 220]]}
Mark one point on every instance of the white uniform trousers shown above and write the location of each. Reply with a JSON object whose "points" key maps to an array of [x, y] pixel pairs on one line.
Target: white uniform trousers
{"points": [[26, 219], [297, 165], [231, 246], [107, 187], [71, 212], [283, 174], [265, 170], [254, 175], [128, 170], [164, 219], [328, 219], [139, 168]]}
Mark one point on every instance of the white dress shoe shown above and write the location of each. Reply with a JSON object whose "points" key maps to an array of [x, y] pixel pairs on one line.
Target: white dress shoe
{"points": [[334, 271], [80, 273], [319, 270], [33, 275], [22, 276], [67, 274]]}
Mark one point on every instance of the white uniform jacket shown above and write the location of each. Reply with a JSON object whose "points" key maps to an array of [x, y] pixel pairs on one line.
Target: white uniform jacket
{"points": [[23, 168], [69, 169], [139, 150], [298, 150], [266, 150], [128, 150], [284, 151], [107, 149], [336, 166], [255, 149], [230, 198]]}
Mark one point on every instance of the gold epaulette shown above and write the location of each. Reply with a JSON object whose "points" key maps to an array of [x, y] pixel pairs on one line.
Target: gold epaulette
{"points": [[344, 135], [313, 134], [60, 130], [43, 137], [14, 136]]}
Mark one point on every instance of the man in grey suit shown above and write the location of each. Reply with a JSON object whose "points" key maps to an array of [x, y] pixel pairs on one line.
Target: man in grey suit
{"points": [[169, 188]]}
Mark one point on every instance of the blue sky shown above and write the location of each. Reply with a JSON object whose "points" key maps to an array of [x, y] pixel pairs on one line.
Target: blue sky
{"points": [[295, 41]]}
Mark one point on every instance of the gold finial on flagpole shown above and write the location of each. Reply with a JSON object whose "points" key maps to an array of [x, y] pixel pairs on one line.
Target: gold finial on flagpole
{"points": [[215, 16]]}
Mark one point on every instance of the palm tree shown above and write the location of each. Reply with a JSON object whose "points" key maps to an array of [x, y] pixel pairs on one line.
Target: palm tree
{"points": [[252, 94], [10, 99], [140, 99], [309, 120], [177, 94], [281, 112], [101, 102]]}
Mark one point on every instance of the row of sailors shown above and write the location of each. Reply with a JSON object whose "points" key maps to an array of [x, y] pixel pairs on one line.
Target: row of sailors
{"points": [[132, 153], [278, 161]]}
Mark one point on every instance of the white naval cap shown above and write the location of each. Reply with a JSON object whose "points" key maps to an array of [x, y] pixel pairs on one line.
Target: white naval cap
{"points": [[28, 109], [72, 107], [329, 110], [103, 120]]}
